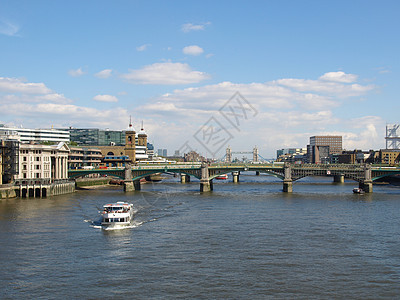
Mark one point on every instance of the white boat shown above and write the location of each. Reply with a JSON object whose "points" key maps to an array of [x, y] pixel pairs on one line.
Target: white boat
{"points": [[222, 177], [117, 215]]}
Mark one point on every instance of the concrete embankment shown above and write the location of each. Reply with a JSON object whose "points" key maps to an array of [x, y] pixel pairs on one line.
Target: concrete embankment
{"points": [[36, 190], [7, 192], [91, 182]]}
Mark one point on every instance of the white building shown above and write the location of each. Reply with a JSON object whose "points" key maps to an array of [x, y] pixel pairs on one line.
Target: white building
{"points": [[36, 135], [42, 164]]}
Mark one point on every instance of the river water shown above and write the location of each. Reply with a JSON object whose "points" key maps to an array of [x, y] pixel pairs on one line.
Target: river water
{"points": [[241, 241]]}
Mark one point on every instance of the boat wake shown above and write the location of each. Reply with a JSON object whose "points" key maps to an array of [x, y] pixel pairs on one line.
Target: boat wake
{"points": [[97, 225], [133, 225]]}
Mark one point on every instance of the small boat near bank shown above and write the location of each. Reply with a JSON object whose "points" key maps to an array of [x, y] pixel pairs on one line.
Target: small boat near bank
{"points": [[117, 215], [358, 191]]}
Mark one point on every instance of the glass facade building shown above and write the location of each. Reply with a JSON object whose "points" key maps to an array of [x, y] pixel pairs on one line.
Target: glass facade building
{"points": [[97, 137]]}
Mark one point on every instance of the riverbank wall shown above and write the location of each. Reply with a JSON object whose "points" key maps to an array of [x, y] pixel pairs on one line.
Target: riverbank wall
{"points": [[7, 191], [91, 182], [37, 190]]}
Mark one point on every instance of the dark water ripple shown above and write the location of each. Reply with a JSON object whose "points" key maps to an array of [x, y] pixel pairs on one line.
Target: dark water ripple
{"points": [[246, 240]]}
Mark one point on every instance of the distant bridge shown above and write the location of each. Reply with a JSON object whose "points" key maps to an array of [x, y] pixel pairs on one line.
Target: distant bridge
{"points": [[364, 174]]}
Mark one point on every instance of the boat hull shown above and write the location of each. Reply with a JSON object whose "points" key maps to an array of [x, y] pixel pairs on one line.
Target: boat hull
{"points": [[358, 191]]}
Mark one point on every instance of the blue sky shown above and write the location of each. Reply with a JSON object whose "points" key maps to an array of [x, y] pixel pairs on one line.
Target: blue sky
{"points": [[303, 67]]}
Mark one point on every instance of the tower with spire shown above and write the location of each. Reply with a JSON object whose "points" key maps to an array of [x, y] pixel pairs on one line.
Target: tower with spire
{"points": [[142, 137], [130, 141]]}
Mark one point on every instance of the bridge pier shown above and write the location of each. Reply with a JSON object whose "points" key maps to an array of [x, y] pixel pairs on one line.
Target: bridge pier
{"points": [[338, 178], [128, 186], [206, 185], [257, 173], [185, 178], [287, 186], [136, 185], [287, 182], [366, 184], [128, 183], [235, 176]]}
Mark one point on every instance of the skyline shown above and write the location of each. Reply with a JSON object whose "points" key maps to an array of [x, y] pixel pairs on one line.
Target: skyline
{"points": [[303, 68]]}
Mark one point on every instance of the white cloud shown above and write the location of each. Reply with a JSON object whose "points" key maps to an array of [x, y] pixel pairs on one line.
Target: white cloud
{"points": [[105, 98], [332, 83], [192, 50], [167, 73], [283, 94], [367, 133], [76, 73], [15, 85], [47, 114], [104, 74], [8, 28], [264, 95], [290, 111], [339, 77], [194, 27], [34, 105], [143, 47]]}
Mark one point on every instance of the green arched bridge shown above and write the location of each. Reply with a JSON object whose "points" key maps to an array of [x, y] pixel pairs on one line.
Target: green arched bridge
{"points": [[363, 173]]}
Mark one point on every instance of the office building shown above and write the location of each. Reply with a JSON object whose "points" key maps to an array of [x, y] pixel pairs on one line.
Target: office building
{"points": [[289, 151], [97, 137], [162, 152], [9, 153], [322, 147], [36, 135], [84, 157]]}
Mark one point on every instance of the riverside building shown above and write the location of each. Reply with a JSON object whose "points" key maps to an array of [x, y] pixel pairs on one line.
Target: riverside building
{"points": [[84, 157], [135, 147], [36, 135], [32, 169], [43, 170], [322, 147], [290, 151], [97, 137]]}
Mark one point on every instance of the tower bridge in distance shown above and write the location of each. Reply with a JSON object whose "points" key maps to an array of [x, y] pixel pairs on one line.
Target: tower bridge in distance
{"points": [[229, 155], [364, 174]]}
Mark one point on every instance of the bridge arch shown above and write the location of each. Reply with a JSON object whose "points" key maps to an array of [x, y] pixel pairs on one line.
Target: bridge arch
{"points": [[75, 175], [384, 175], [164, 171]]}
